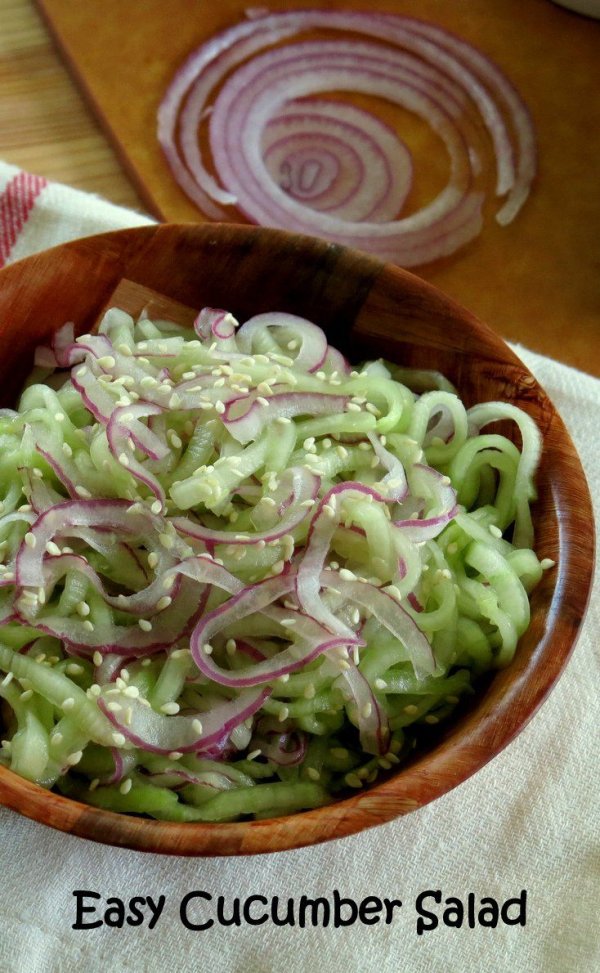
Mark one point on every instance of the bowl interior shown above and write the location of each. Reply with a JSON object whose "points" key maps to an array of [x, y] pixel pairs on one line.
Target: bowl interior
{"points": [[367, 310]]}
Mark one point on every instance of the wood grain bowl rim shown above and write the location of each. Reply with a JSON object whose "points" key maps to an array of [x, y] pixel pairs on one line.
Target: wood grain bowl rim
{"points": [[475, 739]]}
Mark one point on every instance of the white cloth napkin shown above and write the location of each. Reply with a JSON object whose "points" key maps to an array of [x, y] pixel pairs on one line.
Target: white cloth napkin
{"points": [[528, 820]]}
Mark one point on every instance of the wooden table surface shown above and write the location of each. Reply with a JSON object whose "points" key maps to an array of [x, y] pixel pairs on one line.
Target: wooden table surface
{"points": [[47, 128]]}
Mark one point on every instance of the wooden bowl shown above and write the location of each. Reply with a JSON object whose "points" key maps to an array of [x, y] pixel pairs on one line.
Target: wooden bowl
{"points": [[365, 308]]}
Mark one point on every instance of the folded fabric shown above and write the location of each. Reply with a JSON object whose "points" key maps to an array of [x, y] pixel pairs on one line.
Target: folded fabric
{"points": [[528, 822]]}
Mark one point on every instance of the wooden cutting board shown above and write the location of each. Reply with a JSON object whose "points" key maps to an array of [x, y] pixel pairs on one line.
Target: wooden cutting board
{"points": [[537, 277]]}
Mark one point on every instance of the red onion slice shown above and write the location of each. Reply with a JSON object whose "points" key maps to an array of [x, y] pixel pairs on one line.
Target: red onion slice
{"points": [[246, 417], [391, 615], [197, 733], [296, 164], [312, 339], [313, 639], [373, 724], [310, 151], [323, 525]]}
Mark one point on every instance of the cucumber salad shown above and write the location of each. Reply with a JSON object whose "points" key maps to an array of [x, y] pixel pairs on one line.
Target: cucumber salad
{"points": [[240, 577]]}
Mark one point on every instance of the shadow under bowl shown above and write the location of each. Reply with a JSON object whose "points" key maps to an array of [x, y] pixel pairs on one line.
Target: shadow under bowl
{"points": [[367, 310]]}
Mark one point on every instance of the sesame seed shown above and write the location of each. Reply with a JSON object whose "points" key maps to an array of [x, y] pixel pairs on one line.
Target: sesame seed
{"points": [[230, 646], [219, 407], [289, 622], [367, 710], [74, 758], [82, 492], [82, 608], [170, 709], [145, 625], [197, 726], [56, 739], [118, 739], [126, 786], [353, 780], [26, 695], [283, 420], [495, 531], [167, 541], [152, 559], [163, 602], [432, 719], [340, 753], [547, 563], [74, 669], [68, 704], [132, 692], [114, 707], [283, 714], [347, 575], [88, 626], [380, 684], [207, 648], [123, 459], [411, 709], [353, 407], [97, 658], [180, 653], [175, 755], [30, 540], [313, 773], [67, 449], [156, 507], [254, 754]]}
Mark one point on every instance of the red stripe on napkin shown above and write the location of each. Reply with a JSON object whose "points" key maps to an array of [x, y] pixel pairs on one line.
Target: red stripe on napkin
{"points": [[16, 203]]}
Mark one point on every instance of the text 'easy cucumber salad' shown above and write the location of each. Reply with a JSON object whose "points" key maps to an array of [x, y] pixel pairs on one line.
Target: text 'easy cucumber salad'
{"points": [[239, 578]]}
